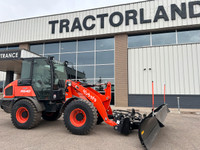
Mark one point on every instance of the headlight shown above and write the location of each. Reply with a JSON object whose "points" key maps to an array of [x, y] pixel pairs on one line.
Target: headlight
{"points": [[69, 83]]}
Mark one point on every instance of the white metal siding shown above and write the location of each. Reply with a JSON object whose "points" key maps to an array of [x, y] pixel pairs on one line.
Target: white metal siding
{"points": [[27, 54], [2, 76], [36, 29], [178, 66]]}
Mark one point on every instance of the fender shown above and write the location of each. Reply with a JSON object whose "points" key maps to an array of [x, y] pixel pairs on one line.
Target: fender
{"points": [[39, 106], [67, 102]]}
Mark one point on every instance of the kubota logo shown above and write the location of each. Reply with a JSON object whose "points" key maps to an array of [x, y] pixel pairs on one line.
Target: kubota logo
{"points": [[89, 95], [25, 91]]}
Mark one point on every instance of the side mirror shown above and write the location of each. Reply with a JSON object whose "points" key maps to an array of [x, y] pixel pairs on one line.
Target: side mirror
{"points": [[66, 63]]}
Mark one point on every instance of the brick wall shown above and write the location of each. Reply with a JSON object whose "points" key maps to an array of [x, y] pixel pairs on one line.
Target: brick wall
{"points": [[121, 70]]}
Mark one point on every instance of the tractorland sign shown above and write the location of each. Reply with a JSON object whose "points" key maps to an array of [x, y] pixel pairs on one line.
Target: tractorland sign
{"points": [[6, 55], [130, 17]]}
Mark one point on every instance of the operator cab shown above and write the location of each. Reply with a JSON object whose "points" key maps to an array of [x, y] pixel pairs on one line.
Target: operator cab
{"points": [[46, 76]]}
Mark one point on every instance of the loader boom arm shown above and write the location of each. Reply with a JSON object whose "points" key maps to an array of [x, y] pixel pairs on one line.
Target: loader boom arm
{"points": [[101, 102]]}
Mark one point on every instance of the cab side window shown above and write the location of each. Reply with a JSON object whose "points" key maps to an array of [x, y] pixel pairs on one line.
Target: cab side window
{"points": [[41, 79]]}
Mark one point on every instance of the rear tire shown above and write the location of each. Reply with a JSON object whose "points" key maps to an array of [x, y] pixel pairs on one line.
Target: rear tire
{"points": [[6, 106], [24, 115], [80, 116], [5, 109], [51, 116]]}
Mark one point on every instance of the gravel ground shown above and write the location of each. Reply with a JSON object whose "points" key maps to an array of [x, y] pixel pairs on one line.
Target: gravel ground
{"points": [[181, 133]]}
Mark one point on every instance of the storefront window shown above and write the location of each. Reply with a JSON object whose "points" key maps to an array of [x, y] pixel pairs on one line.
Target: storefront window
{"points": [[68, 46], [56, 56], [70, 57], [139, 41], [105, 44], [51, 48], [87, 45], [91, 59], [37, 48], [85, 58], [105, 71], [105, 57], [88, 70], [168, 38], [100, 81], [13, 47], [3, 48], [192, 36]]}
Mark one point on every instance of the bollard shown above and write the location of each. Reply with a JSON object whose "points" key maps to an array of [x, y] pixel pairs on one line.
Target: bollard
{"points": [[178, 101]]}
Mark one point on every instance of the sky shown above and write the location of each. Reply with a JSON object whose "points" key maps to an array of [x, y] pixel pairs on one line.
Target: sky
{"points": [[18, 9]]}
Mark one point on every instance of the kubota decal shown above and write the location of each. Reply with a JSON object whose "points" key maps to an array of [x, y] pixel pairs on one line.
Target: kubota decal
{"points": [[89, 95]]}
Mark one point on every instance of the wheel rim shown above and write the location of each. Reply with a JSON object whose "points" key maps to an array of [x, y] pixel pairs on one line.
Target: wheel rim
{"points": [[77, 117], [22, 115]]}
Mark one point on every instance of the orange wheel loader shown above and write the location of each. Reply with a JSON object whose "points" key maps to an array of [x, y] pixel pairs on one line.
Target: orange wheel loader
{"points": [[46, 90]]}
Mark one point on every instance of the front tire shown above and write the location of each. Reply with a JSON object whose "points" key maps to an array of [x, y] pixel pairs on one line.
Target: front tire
{"points": [[24, 115], [80, 116]]}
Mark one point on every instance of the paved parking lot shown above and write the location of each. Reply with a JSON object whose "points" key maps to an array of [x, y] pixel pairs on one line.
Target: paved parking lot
{"points": [[182, 131]]}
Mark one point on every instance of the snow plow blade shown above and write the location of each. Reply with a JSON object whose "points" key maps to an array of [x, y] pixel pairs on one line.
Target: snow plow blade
{"points": [[161, 113], [150, 126]]}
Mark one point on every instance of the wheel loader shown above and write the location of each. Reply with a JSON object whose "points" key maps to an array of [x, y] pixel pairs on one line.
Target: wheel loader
{"points": [[46, 90]]}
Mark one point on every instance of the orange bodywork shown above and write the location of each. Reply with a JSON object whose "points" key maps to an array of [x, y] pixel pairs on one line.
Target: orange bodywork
{"points": [[19, 91], [100, 102]]}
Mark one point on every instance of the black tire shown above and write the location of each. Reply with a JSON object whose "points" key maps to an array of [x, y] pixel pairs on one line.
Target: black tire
{"points": [[31, 117], [99, 119], [88, 116], [6, 106], [7, 110], [51, 116]]}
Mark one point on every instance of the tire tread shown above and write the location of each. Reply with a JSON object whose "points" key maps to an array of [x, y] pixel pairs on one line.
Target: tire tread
{"points": [[94, 115], [36, 115]]}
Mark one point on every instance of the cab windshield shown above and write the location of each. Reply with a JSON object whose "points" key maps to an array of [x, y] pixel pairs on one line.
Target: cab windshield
{"points": [[60, 75]]}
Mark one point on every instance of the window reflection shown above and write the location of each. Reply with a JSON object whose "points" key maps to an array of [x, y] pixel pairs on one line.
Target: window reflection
{"points": [[85, 58], [139, 41], [37, 48], [192, 36], [92, 59], [71, 58], [16, 47], [87, 45], [13, 47], [68, 46], [105, 57], [3, 48], [105, 44], [105, 71], [164, 38], [167, 38], [56, 56], [52, 48], [104, 80], [88, 70]]}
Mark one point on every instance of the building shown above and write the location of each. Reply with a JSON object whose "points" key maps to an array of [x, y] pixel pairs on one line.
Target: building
{"points": [[130, 45]]}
